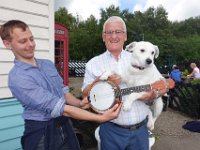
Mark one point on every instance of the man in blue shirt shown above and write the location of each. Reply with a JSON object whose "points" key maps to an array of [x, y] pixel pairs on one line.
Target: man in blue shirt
{"points": [[176, 74], [38, 86]]}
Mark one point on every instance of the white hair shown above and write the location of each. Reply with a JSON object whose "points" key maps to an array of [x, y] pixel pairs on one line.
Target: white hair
{"points": [[114, 19]]}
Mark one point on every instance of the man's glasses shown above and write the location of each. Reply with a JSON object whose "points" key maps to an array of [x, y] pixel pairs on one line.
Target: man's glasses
{"points": [[117, 32]]}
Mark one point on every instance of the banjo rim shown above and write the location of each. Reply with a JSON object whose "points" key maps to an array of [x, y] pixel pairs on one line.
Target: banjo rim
{"points": [[116, 99]]}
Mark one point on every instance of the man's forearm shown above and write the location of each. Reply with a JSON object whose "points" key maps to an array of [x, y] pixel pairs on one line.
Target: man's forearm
{"points": [[72, 100], [81, 114]]}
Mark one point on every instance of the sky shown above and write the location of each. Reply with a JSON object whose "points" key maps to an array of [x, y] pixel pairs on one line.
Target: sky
{"points": [[178, 10]]}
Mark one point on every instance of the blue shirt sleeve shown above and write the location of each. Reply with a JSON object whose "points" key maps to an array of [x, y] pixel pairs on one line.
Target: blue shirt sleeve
{"points": [[32, 95], [39, 89], [59, 108], [66, 89]]}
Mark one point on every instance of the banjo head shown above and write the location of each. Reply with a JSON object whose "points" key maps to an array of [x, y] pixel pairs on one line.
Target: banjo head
{"points": [[102, 96]]}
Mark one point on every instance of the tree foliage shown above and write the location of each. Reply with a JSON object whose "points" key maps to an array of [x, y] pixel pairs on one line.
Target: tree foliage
{"points": [[177, 41], [62, 16]]}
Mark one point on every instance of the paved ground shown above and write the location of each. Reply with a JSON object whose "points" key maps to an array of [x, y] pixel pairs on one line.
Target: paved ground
{"points": [[171, 135], [168, 129]]}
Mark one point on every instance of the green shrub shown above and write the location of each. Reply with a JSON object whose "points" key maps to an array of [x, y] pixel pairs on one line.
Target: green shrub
{"points": [[195, 81], [185, 72]]}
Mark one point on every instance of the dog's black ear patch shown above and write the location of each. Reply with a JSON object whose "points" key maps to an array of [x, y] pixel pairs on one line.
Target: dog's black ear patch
{"points": [[130, 47]]}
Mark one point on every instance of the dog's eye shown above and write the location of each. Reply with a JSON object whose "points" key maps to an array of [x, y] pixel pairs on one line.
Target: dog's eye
{"points": [[142, 50], [152, 53]]}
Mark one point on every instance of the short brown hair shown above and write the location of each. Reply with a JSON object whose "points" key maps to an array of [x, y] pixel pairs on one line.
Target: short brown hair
{"points": [[7, 28]]}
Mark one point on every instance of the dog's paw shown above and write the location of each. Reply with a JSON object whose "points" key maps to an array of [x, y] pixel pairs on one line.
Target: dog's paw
{"points": [[105, 75], [150, 124], [127, 105]]}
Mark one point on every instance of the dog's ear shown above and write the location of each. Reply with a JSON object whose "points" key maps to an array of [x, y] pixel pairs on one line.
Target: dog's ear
{"points": [[129, 47], [157, 51]]}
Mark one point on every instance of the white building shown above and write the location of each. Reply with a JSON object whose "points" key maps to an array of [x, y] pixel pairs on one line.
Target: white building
{"points": [[39, 15]]}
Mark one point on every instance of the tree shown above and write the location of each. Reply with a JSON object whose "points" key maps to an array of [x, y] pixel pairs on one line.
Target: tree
{"points": [[178, 41], [87, 38], [62, 16]]}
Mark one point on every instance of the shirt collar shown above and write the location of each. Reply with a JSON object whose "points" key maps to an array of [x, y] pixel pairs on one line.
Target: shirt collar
{"points": [[24, 65], [108, 53]]}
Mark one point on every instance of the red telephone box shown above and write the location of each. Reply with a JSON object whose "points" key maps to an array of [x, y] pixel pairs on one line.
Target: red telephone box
{"points": [[61, 51]]}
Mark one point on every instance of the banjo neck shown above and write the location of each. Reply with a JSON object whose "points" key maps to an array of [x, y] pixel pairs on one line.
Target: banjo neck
{"points": [[158, 85], [103, 94], [137, 89]]}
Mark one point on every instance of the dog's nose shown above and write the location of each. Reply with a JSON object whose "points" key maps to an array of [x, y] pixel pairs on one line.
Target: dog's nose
{"points": [[149, 61]]}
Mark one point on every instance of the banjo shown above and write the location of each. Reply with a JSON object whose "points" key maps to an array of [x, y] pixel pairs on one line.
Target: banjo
{"points": [[104, 94]]}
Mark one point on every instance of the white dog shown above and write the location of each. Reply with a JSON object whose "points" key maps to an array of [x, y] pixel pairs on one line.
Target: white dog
{"points": [[141, 71]]}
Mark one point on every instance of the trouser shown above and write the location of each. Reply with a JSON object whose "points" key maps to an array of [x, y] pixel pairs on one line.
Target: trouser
{"points": [[53, 136], [116, 138]]}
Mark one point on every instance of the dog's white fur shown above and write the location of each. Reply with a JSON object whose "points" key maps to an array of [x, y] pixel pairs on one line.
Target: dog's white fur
{"points": [[141, 71]]}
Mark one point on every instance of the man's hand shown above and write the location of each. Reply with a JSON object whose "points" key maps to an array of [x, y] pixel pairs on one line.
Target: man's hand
{"points": [[111, 113], [115, 78], [151, 95], [84, 103]]}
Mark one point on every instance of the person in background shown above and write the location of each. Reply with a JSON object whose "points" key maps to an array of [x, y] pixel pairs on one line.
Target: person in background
{"points": [[129, 131], [195, 72], [46, 100], [175, 74]]}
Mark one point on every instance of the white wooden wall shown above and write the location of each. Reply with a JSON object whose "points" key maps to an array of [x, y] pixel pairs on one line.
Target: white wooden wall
{"points": [[39, 15]]}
